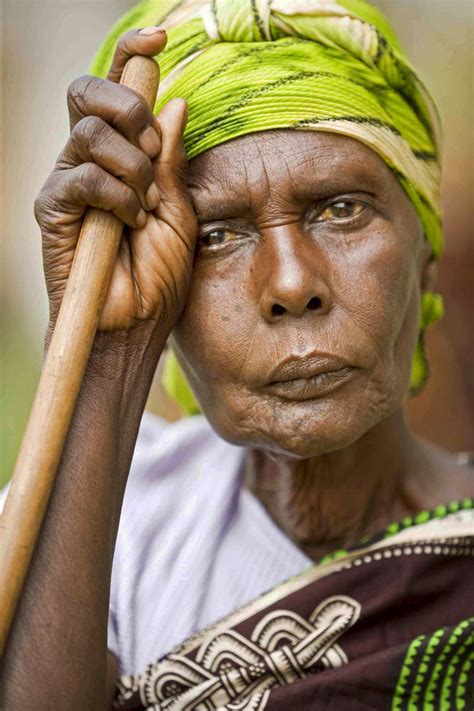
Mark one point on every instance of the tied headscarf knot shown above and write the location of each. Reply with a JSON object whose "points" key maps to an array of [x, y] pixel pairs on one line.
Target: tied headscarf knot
{"points": [[238, 21], [261, 20]]}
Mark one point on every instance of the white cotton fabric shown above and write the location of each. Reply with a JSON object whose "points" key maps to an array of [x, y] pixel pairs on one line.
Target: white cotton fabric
{"points": [[193, 543]]}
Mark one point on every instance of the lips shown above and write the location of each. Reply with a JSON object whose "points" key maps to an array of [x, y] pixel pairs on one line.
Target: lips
{"points": [[308, 377]]}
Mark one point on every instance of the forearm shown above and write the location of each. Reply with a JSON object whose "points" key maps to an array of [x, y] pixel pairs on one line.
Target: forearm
{"points": [[56, 652]]}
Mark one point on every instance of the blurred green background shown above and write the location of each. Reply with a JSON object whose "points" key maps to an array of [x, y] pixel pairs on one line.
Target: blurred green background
{"points": [[47, 43]]}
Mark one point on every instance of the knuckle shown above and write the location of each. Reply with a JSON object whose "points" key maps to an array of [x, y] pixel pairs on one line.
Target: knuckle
{"points": [[38, 206], [134, 112], [143, 170], [129, 201], [46, 204], [79, 89], [91, 130], [88, 179], [123, 41]]}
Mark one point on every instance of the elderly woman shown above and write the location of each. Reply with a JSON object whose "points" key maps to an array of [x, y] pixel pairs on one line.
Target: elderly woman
{"points": [[296, 546]]}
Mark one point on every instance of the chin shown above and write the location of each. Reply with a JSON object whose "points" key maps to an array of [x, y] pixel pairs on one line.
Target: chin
{"points": [[298, 430]]}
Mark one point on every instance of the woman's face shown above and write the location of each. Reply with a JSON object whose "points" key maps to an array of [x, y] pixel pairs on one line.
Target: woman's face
{"points": [[302, 318]]}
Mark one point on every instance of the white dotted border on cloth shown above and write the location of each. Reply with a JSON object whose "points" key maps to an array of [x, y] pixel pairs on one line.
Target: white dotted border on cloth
{"points": [[440, 546]]}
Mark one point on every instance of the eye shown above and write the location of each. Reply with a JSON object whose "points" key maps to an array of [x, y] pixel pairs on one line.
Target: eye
{"points": [[217, 238], [342, 210]]}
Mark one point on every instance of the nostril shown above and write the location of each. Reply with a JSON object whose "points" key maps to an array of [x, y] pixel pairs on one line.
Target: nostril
{"points": [[314, 303], [278, 310]]}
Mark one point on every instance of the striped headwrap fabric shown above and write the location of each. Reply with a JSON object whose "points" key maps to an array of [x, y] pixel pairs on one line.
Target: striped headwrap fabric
{"points": [[252, 65]]}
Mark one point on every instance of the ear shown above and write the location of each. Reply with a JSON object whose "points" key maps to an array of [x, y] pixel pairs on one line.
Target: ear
{"points": [[429, 268]]}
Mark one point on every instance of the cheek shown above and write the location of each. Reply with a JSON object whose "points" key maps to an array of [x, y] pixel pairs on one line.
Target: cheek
{"points": [[379, 293], [215, 330]]}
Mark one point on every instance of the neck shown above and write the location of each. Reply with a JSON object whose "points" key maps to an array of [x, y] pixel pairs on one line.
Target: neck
{"points": [[331, 501]]}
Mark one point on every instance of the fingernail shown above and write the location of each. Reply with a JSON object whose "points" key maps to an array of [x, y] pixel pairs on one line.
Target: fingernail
{"points": [[152, 197], [142, 218], [149, 141], [147, 31]]}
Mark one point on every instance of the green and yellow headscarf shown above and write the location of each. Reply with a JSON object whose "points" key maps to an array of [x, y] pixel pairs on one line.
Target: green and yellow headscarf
{"points": [[254, 65]]}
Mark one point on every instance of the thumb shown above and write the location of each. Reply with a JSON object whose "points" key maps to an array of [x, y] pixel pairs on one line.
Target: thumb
{"points": [[171, 163], [170, 166], [147, 42]]}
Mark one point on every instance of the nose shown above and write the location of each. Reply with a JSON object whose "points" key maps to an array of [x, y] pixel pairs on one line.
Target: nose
{"points": [[296, 275]]}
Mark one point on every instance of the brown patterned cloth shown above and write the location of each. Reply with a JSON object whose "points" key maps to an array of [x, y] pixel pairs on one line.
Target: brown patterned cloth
{"points": [[387, 625]]}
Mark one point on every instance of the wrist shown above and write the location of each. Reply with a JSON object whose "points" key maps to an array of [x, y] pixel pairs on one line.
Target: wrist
{"points": [[122, 349], [116, 354], [121, 364]]}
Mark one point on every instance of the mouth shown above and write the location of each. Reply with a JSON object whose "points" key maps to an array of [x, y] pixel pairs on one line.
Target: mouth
{"points": [[307, 378]]}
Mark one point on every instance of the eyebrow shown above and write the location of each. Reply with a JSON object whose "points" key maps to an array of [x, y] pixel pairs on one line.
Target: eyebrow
{"points": [[221, 211]]}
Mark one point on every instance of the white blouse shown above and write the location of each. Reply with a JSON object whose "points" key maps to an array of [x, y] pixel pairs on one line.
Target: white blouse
{"points": [[193, 543]]}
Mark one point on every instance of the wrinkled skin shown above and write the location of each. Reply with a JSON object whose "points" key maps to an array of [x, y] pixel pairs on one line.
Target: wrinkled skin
{"points": [[323, 252], [293, 274], [308, 245]]}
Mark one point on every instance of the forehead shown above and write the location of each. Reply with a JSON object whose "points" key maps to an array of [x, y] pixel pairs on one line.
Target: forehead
{"points": [[286, 163], [286, 150]]}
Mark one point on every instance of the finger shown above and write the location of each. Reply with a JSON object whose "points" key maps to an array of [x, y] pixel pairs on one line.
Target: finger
{"points": [[117, 105], [95, 141], [147, 42], [89, 185]]}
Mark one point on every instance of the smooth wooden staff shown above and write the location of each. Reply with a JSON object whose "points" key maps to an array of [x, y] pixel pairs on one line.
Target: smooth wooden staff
{"points": [[60, 381]]}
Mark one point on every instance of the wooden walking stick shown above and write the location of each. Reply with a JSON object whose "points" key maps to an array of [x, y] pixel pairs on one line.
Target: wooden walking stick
{"points": [[60, 381]]}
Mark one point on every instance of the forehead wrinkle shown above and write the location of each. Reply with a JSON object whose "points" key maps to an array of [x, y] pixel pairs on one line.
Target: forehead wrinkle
{"points": [[270, 185], [267, 172], [214, 186], [323, 157], [259, 183]]}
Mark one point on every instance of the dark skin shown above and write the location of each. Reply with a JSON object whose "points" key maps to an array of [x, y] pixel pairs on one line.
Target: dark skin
{"points": [[306, 244]]}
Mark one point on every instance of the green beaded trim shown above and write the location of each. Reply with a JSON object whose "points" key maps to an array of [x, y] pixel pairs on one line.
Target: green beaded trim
{"points": [[424, 516], [438, 512]]}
